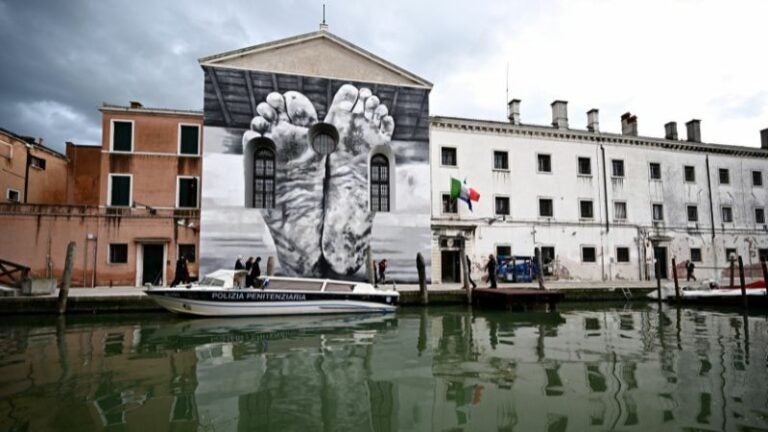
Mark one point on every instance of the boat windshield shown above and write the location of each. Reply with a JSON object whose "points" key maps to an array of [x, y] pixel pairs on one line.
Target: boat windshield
{"points": [[209, 281]]}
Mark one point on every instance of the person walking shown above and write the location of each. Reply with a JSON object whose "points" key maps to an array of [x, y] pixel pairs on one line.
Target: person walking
{"points": [[491, 268], [255, 272], [382, 270], [689, 268], [248, 278], [469, 273], [239, 263], [182, 272]]}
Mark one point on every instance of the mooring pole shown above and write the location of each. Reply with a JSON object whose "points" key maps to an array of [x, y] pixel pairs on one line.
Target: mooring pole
{"points": [[658, 279], [733, 262], [369, 270], [674, 275], [465, 274], [765, 272], [743, 284], [539, 269], [422, 278], [66, 278], [270, 266]]}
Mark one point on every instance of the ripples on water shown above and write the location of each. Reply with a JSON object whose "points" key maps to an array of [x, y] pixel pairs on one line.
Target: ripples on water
{"points": [[435, 369]]}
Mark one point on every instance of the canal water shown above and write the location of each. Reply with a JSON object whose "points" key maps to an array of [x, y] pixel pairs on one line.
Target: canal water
{"points": [[585, 367]]}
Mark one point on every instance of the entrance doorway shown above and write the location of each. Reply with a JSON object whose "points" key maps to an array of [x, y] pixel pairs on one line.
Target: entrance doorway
{"points": [[152, 264], [548, 260], [660, 254], [450, 266]]}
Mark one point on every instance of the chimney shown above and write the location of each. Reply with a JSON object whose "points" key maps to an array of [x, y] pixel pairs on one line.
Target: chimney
{"points": [[560, 114], [513, 111], [628, 124], [670, 131], [593, 123], [136, 105], [694, 130], [764, 139], [40, 142]]}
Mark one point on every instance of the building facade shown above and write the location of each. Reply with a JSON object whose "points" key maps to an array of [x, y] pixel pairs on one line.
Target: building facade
{"points": [[31, 173], [600, 206]]}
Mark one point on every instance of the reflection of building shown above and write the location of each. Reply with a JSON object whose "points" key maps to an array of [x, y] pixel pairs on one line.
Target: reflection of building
{"points": [[600, 206]]}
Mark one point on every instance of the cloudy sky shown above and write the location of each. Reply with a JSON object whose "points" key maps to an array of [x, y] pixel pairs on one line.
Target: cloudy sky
{"points": [[665, 60]]}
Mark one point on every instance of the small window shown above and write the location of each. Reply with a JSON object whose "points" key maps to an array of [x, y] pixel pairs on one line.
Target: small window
{"points": [[36, 162], [586, 209], [658, 212], [617, 166], [585, 166], [696, 254], [503, 251], [545, 207], [189, 140], [264, 178], [12, 195], [449, 205], [544, 163], [622, 254], [690, 173], [500, 160], [502, 206], [120, 190], [760, 215], [727, 213], [762, 254], [448, 155], [118, 253], [620, 210], [730, 252], [187, 197], [725, 176], [693, 213], [655, 170], [122, 136], [757, 178], [188, 251], [588, 254]]}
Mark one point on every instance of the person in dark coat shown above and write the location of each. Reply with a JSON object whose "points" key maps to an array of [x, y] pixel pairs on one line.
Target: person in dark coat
{"points": [[491, 268], [469, 273], [182, 272], [255, 272], [239, 263], [248, 279], [689, 271], [382, 270]]}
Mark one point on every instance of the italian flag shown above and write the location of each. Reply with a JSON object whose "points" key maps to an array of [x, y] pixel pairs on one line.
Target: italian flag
{"points": [[463, 192]]}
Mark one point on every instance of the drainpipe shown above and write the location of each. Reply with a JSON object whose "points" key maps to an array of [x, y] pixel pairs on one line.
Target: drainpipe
{"points": [[26, 172], [605, 191], [711, 209]]}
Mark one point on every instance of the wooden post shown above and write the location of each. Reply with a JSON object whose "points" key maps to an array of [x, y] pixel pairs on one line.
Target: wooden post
{"points": [[270, 266], [370, 271], [730, 258], [674, 275], [658, 278], [540, 270], [465, 273], [66, 278], [422, 278], [743, 284]]}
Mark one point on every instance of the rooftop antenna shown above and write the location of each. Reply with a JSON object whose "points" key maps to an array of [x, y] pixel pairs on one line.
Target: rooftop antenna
{"points": [[323, 25]]}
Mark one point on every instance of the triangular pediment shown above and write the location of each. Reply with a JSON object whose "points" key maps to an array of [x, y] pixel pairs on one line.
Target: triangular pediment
{"points": [[317, 54]]}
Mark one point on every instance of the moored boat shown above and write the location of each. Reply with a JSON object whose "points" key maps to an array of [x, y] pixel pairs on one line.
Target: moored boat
{"points": [[223, 293], [708, 292]]}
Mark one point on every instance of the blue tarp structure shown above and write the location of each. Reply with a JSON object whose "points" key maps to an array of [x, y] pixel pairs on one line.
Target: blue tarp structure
{"points": [[516, 268]]}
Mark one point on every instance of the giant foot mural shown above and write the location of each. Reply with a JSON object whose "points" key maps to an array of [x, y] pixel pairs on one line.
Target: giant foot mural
{"points": [[320, 219]]}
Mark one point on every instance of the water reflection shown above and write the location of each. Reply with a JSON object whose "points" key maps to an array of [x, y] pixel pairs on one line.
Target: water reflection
{"points": [[423, 369]]}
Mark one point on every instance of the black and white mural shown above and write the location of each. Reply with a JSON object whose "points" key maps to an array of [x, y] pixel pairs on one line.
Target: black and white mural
{"points": [[313, 171]]}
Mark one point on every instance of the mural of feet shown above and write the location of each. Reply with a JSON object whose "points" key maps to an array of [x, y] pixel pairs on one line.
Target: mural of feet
{"points": [[321, 223]]}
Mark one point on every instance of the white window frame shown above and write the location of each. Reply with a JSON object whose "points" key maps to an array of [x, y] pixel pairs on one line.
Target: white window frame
{"points": [[615, 218], [8, 195], [199, 138], [754, 213], [582, 217], [629, 255], [112, 135], [493, 155], [722, 213], [653, 216], [178, 190], [456, 153], [551, 165], [109, 190], [109, 254], [509, 205], [578, 166], [650, 177]]}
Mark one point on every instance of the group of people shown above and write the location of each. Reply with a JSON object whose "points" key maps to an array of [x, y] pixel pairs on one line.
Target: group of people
{"points": [[252, 268]]}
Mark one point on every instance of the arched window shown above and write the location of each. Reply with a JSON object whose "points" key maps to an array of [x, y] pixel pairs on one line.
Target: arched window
{"points": [[379, 183], [264, 178]]}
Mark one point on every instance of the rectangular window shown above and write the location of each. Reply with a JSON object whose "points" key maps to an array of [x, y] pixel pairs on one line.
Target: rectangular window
{"points": [[189, 140], [690, 173], [658, 212], [36, 162], [588, 254], [619, 210], [696, 254], [503, 251], [188, 251], [449, 205], [617, 167], [448, 156], [622, 254], [725, 176], [586, 209], [122, 136], [727, 213], [760, 215], [762, 254], [187, 195], [118, 253], [757, 178], [120, 190], [655, 170], [585, 166], [12, 195], [500, 160], [730, 253], [502, 206], [693, 213], [545, 207], [544, 163]]}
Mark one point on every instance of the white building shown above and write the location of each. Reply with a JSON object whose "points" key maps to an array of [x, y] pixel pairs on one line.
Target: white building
{"points": [[599, 205]]}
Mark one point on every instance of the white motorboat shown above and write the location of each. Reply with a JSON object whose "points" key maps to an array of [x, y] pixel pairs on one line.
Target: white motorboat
{"points": [[710, 292], [223, 293]]}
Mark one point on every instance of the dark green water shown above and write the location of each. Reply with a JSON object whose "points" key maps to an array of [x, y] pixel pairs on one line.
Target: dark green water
{"points": [[584, 368]]}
